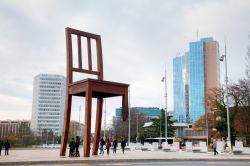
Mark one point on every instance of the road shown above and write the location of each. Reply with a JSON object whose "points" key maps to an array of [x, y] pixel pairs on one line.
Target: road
{"points": [[177, 163]]}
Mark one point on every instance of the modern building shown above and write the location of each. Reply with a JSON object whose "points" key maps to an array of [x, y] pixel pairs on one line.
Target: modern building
{"points": [[12, 128], [195, 74], [150, 112], [181, 88], [48, 103], [76, 129]]}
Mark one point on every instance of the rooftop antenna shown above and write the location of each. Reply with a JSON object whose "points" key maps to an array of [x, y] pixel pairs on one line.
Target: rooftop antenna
{"points": [[197, 34]]}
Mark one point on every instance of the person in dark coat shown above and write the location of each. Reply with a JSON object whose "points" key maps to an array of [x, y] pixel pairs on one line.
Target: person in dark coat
{"points": [[123, 145], [77, 146], [1, 146], [7, 146], [215, 147], [72, 146], [108, 144], [114, 146], [102, 143]]}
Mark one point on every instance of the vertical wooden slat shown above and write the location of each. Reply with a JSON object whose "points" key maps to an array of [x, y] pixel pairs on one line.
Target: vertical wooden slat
{"points": [[66, 124], [125, 104], [87, 130], [69, 56], [97, 126], [68, 98], [79, 51], [99, 58], [89, 53]]}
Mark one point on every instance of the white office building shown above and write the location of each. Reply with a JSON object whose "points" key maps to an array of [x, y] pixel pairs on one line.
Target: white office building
{"points": [[48, 103]]}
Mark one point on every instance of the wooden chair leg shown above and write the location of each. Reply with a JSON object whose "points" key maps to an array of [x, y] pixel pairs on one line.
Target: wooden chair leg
{"points": [[97, 126], [87, 130], [66, 125], [125, 105]]}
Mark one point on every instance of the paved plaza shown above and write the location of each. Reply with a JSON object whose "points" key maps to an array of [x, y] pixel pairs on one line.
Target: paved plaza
{"points": [[46, 156]]}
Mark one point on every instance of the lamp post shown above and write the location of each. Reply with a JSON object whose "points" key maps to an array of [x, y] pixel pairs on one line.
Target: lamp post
{"points": [[160, 132], [79, 125], [105, 120], [226, 80], [137, 127], [129, 116], [164, 79]]}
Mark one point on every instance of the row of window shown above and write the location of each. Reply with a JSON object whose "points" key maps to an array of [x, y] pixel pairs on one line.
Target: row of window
{"points": [[51, 79], [48, 121], [48, 117], [45, 105], [51, 83], [50, 94], [48, 113], [49, 90], [50, 98], [47, 101], [50, 109], [48, 125], [49, 86]]}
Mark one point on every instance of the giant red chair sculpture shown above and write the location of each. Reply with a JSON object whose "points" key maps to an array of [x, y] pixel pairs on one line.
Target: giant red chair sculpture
{"points": [[89, 88]]}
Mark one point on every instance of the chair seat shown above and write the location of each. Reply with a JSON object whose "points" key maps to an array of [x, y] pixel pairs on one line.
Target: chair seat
{"points": [[99, 88]]}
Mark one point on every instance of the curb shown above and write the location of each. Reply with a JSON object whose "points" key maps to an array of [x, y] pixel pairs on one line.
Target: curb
{"points": [[98, 161]]}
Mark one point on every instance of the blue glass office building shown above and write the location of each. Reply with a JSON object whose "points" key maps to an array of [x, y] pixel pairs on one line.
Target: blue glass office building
{"points": [[181, 96], [195, 74], [151, 112]]}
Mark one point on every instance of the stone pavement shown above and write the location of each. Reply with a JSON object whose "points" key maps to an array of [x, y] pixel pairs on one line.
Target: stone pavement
{"points": [[51, 156]]}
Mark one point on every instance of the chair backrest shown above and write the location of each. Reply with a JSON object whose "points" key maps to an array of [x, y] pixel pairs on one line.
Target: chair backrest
{"points": [[70, 68]]}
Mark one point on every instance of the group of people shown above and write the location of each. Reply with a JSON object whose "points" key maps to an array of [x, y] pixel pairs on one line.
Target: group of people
{"points": [[6, 146], [108, 144], [74, 147]]}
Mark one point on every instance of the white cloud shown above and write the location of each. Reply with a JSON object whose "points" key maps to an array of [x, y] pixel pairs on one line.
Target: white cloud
{"points": [[138, 39]]}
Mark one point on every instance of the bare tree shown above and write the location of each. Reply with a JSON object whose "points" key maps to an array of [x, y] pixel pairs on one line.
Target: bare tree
{"points": [[121, 127]]}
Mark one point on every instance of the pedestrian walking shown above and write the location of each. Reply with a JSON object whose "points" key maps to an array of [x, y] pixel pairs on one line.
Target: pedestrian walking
{"points": [[6, 147], [123, 145], [77, 146], [72, 146], [1, 146], [114, 146], [102, 143], [215, 147], [108, 144]]}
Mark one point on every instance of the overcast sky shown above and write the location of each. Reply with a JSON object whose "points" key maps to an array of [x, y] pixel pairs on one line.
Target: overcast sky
{"points": [[138, 38]]}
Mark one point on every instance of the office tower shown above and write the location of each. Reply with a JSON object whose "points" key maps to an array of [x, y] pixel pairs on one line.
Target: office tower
{"points": [[181, 87], [151, 112], [48, 104], [195, 74]]}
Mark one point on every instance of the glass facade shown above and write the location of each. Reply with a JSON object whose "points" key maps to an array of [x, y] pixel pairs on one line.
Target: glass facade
{"points": [[147, 111], [197, 78], [189, 82], [180, 88]]}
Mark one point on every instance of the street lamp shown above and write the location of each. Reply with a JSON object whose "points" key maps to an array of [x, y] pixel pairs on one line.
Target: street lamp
{"points": [[226, 80], [105, 119], [160, 133], [129, 116], [166, 112], [137, 128]]}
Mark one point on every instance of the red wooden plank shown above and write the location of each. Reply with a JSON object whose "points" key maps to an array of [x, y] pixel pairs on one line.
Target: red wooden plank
{"points": [[99, 58], [87, 130], [89, 53], [79, 51], [97, 126], [68, 101], [82, 33], [85, 71]]}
